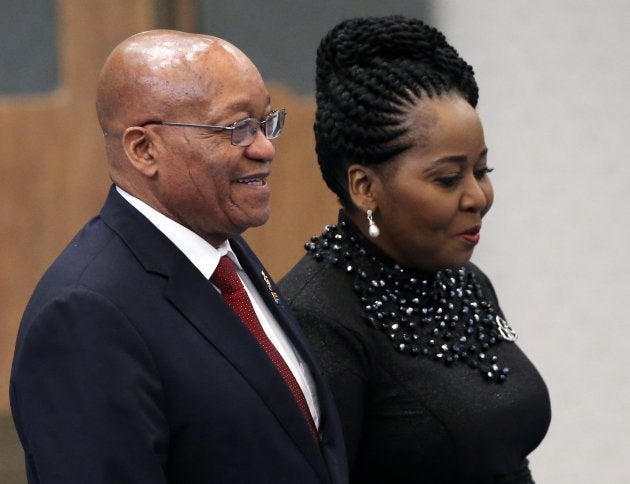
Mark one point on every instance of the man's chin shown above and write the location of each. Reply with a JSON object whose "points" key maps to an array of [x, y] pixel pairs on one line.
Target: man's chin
{"points": [[253, 220], [260, 221]]}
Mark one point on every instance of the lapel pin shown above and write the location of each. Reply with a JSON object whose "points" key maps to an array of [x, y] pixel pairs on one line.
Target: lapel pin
{"points": [[274, 294]]}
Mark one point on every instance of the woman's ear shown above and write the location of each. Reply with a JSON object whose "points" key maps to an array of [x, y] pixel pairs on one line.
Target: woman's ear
{"points": [[362, 187], [138, 145]]}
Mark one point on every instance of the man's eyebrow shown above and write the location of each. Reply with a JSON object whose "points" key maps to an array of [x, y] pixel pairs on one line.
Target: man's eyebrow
{"points": [[243, 104]]}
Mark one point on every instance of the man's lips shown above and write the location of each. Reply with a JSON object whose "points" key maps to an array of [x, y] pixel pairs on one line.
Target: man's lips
{"points": [[256, 180]]}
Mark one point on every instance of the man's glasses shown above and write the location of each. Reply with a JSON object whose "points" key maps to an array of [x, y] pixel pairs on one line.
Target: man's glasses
{"points": [[243, 131]]}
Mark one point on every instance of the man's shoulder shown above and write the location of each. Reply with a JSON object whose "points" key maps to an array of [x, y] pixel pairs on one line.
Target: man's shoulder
{"points": [[95, 260], [93, 243]]}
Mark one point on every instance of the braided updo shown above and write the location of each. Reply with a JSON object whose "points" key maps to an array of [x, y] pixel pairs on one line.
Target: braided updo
{"points": [[370, 71]]}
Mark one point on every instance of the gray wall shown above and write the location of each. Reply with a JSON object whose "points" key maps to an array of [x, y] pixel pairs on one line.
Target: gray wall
{"points": [[28, 57], [282, 36], [555, 102]]}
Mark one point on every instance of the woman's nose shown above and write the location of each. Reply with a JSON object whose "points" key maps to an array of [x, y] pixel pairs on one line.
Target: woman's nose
{"points": [[475, 196]]}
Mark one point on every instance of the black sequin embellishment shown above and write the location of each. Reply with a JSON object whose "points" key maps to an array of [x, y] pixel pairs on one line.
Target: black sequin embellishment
{"points": [[443, 316]]}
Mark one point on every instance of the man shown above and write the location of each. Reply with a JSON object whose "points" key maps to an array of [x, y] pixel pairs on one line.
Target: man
{"points": [[130, 365]]}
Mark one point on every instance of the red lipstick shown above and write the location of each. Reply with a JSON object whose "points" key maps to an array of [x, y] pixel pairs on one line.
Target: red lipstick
{"points": [[472, 235]]}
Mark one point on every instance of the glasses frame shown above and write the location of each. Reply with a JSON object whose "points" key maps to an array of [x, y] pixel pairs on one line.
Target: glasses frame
{"points": [[262, 126]]}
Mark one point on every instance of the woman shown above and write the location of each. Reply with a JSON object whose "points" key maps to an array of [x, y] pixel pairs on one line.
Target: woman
{"points": [[430, 385]]}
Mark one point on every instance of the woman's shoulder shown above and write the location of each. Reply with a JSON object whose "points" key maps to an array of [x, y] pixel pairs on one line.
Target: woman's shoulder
{"points": [[321, 294], [310, 277], [300, 275]]}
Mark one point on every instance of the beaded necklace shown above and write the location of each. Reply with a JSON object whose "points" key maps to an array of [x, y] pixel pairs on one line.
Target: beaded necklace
{"points": [[444, 316]]}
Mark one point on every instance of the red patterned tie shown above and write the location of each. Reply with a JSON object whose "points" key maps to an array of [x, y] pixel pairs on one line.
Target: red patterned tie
{"points": [[233, 291]]}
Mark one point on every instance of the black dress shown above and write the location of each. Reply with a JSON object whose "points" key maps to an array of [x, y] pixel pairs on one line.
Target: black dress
{"points": [[427, 389]]}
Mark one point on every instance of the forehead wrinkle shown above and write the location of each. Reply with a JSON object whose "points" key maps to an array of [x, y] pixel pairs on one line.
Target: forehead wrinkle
{"points": [[244, 105]]}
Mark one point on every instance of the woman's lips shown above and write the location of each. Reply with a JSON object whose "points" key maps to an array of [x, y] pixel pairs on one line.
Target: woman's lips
{"points": [[471, 235]]}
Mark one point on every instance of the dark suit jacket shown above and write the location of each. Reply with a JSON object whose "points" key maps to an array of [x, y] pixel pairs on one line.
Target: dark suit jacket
{"points": [[131, 368]]}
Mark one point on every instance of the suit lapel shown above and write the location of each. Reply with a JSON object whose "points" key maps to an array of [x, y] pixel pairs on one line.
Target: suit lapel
{"points": [[332, 444], [270, 294], [205, 309]]}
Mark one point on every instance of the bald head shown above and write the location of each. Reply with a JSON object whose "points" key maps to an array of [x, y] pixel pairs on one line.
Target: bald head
{"points": [[151, 74], [196, 177]]}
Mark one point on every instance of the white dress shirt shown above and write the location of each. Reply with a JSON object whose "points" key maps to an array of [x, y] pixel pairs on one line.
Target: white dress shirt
{"points": [[205, 257]]}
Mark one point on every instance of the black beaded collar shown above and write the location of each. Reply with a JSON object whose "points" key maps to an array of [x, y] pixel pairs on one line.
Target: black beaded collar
{"points": [[444, 316]]}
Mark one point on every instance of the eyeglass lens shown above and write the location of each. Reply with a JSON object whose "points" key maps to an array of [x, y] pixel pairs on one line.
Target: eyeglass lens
{"points": [[245, 131]]}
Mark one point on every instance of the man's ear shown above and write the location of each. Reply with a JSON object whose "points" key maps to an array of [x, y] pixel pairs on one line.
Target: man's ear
{"points": [[138, 145], [363, 187]]}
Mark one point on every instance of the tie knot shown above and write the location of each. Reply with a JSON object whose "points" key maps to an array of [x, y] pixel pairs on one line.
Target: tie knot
{"points": [[225, 276]]}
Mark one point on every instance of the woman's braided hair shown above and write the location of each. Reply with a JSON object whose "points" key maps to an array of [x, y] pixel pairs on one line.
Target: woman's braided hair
{"points": [[369, 72]]}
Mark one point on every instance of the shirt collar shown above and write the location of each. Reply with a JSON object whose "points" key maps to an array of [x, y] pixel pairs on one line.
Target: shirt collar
{"points": [[203, 255]]}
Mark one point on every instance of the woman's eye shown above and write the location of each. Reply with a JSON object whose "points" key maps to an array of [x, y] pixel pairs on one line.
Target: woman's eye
{"points": [[452, 180], [479, 174], [449, 181]]}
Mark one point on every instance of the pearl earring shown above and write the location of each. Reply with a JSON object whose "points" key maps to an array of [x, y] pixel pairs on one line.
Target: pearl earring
{"points": [[373, 229]]}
